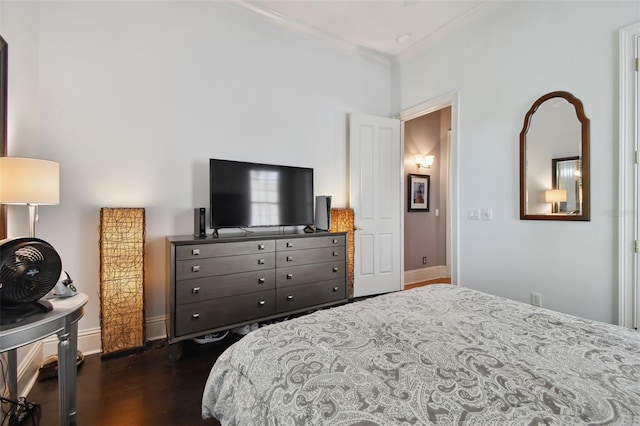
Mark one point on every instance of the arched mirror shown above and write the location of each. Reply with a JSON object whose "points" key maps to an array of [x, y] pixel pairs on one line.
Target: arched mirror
{"points": [[554, 160]]}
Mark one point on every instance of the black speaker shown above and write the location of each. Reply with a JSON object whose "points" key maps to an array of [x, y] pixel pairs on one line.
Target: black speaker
{"points": [[199, 222], [323, 212]]}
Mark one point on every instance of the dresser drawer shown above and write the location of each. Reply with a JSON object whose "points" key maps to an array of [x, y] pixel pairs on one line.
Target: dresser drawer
{"points": [[296, 275], [202, 316], [304, 257], [309, 295], [201, 289], [208, 267], [198, 251], [308, 243]]}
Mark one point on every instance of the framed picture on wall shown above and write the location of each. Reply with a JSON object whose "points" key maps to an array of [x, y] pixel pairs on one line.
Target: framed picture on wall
{"points": [[419, 193]]}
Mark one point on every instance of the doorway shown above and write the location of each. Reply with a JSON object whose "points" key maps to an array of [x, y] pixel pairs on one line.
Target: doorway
{"points": [[362, 139], [426, 240], [435, 133]]}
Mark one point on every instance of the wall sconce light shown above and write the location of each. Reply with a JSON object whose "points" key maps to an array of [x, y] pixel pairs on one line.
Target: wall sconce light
{"points": [[424, 161], [555, 197], [122, 235], [342, 220], [31, 182]]}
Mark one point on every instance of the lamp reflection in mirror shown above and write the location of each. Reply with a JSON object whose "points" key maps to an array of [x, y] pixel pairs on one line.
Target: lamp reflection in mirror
{"points": [[567, 175], [424, 161], [555, 197], [31, 182]]}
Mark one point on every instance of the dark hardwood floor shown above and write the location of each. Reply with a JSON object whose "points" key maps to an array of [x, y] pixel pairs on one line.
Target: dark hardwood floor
{"points": [[148, 388]]}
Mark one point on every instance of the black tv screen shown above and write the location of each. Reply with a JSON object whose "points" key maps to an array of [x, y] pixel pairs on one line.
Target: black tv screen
{"points": [[249, 194]]}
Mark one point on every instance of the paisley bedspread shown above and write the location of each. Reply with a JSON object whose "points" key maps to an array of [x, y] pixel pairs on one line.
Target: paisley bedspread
{"points": [[438, 354]]}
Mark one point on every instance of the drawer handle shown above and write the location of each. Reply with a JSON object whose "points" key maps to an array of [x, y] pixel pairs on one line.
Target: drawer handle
{"points": [[335, 269], [289, 245], [261, 303], [260, 261], [260, 246], [335, 289], [195, 316], [335, 241], [195, 268], [289, 297], [335, 253], [195, 252], [289, 276], [289, 258], [195, 290], [261, 280]]}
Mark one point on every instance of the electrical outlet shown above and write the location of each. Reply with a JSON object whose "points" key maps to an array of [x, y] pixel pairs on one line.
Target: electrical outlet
{"points": [[424, 260], [536, 299]]}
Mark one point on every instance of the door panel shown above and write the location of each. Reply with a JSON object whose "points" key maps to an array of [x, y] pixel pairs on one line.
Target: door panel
{"points": [[365, 241], [386, 253], [375, 162]]}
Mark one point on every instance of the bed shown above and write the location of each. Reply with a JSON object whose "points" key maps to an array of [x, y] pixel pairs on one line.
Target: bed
{"points": [[439, 354]]}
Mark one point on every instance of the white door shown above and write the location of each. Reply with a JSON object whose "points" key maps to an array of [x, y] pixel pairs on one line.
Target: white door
{"points": [[375, 169], [629, 180], [635, 304]]}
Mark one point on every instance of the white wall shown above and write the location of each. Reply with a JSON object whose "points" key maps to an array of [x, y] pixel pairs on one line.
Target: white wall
{"points": [[500, 64], [133, 98]]}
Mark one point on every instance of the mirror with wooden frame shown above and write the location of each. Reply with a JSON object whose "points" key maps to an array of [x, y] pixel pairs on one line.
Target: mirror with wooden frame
{"points": [[554, 160]]}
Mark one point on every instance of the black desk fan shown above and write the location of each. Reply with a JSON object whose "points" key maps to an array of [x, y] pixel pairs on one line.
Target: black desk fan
{"points": [[29, 269]]}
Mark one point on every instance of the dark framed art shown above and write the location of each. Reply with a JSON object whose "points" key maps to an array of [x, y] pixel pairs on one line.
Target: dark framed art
{"points": [[419, 188]]}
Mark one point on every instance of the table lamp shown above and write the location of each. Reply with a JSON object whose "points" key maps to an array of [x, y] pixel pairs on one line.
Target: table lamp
{"points": [[31, 182], [555, 197]]}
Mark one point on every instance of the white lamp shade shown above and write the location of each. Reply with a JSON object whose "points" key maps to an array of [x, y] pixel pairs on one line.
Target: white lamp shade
{"points": [[555, 195], [29, 181]]}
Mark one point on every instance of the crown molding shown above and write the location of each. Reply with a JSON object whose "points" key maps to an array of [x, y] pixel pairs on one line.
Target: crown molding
{"points": [[445, 29], [357, 50], [312, 32]]}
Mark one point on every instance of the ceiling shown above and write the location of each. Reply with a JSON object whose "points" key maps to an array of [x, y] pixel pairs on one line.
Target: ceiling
{"points": [[384, 28]]}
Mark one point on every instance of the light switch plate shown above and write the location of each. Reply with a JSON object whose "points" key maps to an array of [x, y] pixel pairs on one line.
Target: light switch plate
{"points": [[473, 214], [487, 213]]}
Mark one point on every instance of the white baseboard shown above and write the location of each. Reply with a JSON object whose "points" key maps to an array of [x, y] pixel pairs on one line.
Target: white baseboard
{"points": [[89, 342], [155, 328], [425, 274]]}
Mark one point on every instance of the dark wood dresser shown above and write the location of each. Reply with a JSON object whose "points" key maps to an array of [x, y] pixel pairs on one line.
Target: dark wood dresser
{"points": [[215, 284]]}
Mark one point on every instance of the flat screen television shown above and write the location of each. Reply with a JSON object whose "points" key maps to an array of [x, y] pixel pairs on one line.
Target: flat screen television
{"points": [[246, 194]]}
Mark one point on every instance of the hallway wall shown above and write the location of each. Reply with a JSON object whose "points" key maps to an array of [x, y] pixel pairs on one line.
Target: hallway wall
{"points": [[425, 232]]}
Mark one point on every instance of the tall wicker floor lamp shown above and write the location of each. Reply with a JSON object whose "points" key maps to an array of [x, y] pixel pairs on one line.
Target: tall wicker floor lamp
{"points": [[342, 221], [122, 238]]}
